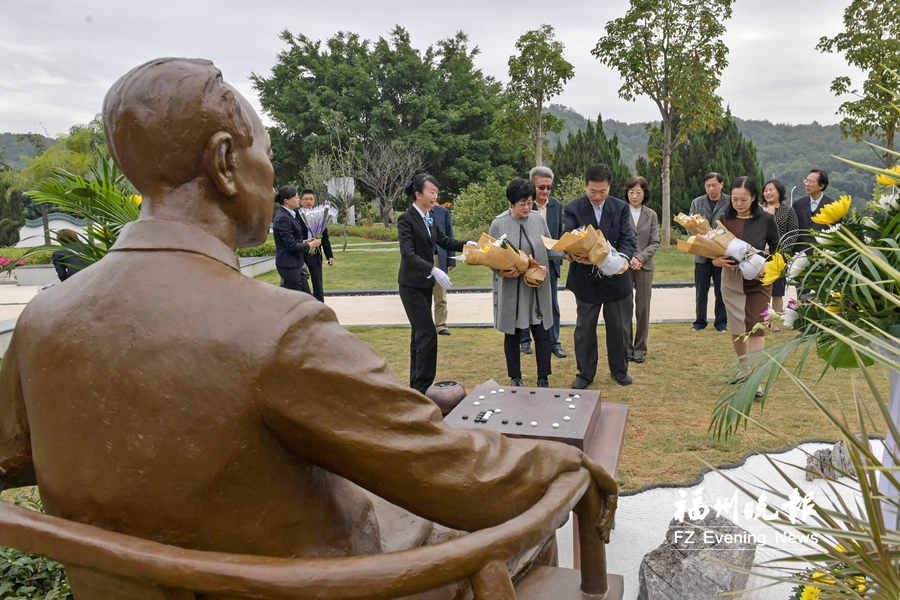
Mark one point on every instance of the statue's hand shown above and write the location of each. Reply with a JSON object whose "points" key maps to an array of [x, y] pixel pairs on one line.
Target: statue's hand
{"points": [[608, 496]]}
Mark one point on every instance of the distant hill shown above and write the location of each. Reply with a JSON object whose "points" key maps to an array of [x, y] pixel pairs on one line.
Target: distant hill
{"points": [[15, 151], [785, 152]]}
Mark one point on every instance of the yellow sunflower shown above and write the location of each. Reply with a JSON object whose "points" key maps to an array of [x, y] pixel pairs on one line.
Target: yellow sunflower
{"points": [[774, 269], [810, 593], [889, 179], [834, 212]]}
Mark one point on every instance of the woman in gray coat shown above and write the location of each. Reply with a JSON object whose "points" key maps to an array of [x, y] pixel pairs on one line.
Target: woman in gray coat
{"points": [[518, 306], [645, 226]]}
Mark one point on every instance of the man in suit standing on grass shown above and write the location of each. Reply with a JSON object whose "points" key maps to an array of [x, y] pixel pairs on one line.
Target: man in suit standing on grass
{"points": [[809, 206], [711, 206], [551, 209], [594, 291], [314, 257], [444, 260]]}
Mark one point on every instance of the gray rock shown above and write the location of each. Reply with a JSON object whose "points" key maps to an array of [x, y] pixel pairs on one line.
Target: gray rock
{"points": [[819, 465], [696, 561], [840, 458]]}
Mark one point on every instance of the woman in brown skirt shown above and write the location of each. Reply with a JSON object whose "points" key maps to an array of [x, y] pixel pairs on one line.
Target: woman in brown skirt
{"points": [[746, 301]]}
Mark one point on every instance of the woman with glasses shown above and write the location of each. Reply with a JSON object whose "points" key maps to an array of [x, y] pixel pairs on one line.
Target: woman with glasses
{"points": [[645, 226], [774, 194], [517, 306]]}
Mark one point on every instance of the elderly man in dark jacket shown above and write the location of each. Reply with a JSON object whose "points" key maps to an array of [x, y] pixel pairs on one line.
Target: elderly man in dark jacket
{"points": [[551, 210]]}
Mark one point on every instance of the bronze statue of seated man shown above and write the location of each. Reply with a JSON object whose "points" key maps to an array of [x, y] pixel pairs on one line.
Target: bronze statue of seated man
{"points": [[164, 395]]}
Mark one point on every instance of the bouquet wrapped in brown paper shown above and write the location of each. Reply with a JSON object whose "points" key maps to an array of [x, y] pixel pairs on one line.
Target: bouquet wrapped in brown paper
{"points": [[695, 224], [502, 255], [721, 242], [587, 242]]}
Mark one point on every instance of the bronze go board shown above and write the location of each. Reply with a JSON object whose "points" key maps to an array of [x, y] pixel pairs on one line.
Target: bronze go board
{"points": [[561, 415]]}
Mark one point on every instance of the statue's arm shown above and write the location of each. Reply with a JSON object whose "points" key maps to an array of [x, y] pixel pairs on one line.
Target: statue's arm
{"points": [[16, 467], [340, 407]]}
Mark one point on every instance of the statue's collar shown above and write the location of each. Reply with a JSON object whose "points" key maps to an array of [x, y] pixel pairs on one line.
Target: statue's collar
{"points": [[173, 236]]}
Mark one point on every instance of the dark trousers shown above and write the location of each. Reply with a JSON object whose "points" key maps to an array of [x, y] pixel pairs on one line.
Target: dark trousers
{"points": [[314, 264], [423, 341], [293, 278], [617, 316], [554, 330], [703, 273], [542, 346]]}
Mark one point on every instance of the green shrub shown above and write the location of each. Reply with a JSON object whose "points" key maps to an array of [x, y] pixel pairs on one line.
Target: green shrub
{"points": [[266, 249], [381, 234], [568, 188], [12, 253], [478, 204], [27, 577], [41, 258]]}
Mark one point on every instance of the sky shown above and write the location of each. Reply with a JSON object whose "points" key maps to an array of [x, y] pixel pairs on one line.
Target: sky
{"points": [[59, 57]]}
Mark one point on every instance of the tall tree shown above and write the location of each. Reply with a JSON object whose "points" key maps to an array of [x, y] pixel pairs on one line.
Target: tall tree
{"points": [[388, 90], [589, 146], [384, 168], [871, 42], [726, 151], [671, 51], [537, 74]]}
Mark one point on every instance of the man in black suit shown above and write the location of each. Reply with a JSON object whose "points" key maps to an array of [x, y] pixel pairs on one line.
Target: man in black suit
{"points": [[291, 243], [314, 259], [809, 205], [593, 290], [418, 234], [551, 209], [445, 260]]}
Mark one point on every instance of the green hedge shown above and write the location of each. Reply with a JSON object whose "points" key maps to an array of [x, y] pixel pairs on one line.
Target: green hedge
{"points": [[41, 258], [381, 234], [266, 249]]}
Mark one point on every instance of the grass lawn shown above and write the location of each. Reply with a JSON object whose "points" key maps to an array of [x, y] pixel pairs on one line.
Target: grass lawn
{"points": [[670, 403], [356, 269]]}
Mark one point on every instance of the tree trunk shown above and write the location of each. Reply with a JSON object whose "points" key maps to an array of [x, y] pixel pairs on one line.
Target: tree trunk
{"points": [[539, 138], [344, 249], [386, 212], [45, 220], [665, 238]]}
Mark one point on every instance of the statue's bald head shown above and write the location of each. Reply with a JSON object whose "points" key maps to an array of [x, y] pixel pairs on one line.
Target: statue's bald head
{"points": [[159, 117]]}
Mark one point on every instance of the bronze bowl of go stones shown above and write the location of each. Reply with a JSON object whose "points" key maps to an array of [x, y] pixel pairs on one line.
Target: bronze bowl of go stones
{"points": [[446, 394]]}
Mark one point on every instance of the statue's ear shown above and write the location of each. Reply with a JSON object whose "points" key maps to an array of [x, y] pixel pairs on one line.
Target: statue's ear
{"points": [[219, 162]]}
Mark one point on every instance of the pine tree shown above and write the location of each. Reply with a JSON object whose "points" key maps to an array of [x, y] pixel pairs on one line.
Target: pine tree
{"points": [[588, 147], [725, 151]]}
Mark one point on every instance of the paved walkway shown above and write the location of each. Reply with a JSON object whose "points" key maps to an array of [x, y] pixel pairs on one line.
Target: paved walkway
{"points": [[465, 310], [668, 305]]}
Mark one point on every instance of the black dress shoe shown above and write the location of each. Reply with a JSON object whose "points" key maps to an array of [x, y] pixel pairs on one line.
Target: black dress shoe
{"points": [[525, 348], [516, 382], [623, 380], [580, 384], [558, 352], [542, 382], [444, 332], [639, 359]]}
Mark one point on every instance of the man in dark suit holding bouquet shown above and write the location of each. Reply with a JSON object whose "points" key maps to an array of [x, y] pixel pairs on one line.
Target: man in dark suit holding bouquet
{"points": [[594, 290], [314, 257]]}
